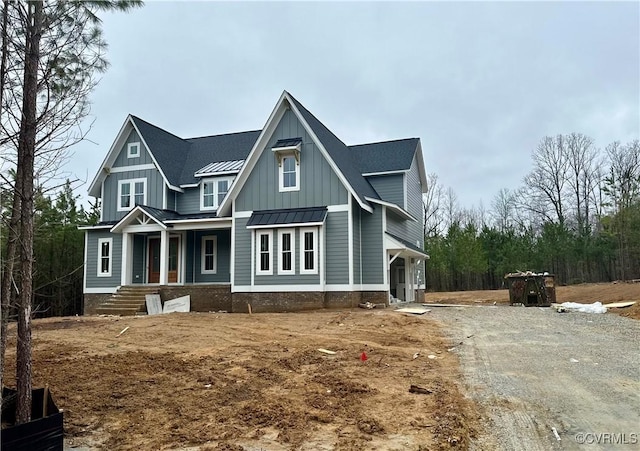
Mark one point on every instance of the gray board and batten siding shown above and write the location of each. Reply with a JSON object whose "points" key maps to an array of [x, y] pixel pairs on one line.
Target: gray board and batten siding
{"points": [[154, 189], [336, 245], [373, 264], [194, 257], [356, 214], [122, 160], [412, 231], [242, 259], [390, 187], [319, 184], [93, 281]]}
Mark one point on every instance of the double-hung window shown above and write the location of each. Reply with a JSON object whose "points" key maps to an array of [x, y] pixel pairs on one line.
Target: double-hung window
{"points": [[209, 255], [131, 192], [264, 249], [286, 251], [105, 250], [309, 251], [212, 193], [289, 174]]}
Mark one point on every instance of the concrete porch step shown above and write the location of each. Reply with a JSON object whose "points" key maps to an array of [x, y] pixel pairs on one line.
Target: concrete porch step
{"points": [[121, 311]]}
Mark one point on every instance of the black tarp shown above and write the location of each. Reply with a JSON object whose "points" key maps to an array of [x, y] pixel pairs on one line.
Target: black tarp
{"points": [[40, 433]]}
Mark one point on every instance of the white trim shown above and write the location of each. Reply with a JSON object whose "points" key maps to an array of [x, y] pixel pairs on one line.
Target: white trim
{"points": [[132, 193], [130, 147], [404, 189], [316, 249], [258, 253], [127, 259], [184, 221], [292, 251], [385, 256], [252, 258], [399, 171], [201, 226], [100, 290], [213, 174], [350, 239], [306, 288], [205, 238], [287, 225], [182, 273], [164, 197], [340, 207], [95, 227], [124, 223], [99, 273], [281, 187], [232, 256], [86, 261], [101, 201], [137, 167], [190, 185], [395, 208], [215, 185], [241, 214]]}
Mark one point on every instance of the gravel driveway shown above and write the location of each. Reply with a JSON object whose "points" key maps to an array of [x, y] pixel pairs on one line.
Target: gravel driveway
{"points": [[533, 370]]}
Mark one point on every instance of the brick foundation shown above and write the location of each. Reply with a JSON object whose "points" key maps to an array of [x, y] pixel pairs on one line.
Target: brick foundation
{"points": [[91, 302], [204, 298]]}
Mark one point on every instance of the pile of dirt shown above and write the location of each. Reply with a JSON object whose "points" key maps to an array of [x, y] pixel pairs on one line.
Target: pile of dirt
{"points": [[235, 381]]}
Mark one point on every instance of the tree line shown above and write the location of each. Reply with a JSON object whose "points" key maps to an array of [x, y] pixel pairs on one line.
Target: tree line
{"points": [[576, 215]]}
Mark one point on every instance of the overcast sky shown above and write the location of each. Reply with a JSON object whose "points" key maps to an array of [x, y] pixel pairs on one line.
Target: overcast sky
{"points": [[479, 83]]}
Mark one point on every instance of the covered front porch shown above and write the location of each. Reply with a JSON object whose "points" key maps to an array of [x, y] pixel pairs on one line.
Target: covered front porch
{"points": [[163, 249], [405, 271]]}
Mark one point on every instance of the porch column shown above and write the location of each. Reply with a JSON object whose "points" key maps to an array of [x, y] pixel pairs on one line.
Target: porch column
{"points": [[164, 257], [127, 259]]}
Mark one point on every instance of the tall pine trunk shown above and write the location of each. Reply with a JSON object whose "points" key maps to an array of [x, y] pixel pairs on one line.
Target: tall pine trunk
{"points": [[26, 157]]}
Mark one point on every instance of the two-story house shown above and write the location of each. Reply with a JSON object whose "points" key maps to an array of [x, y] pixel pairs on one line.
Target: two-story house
{"points": [[283, 218]]}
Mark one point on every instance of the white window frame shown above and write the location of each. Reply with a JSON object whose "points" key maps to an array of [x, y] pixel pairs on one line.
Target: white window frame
{"points": [[203, 256], [132, 192], [283, 188], [215, 182], [281, 270], [316, 251], [101, 241], [131, 147], [260, 233]]}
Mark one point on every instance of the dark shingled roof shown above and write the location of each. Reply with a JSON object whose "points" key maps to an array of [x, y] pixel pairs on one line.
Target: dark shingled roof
{"points": [[385, 156], [180, 158], [288, 216], [341, 155], [209, 149]]}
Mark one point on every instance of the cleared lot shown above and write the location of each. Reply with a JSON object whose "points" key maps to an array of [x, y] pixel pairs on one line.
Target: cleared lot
{"points": [[235, 381], [533, 370]]}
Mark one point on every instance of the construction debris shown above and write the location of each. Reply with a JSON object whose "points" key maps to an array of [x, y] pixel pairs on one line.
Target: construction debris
{"points": [[620, 304], [154, 305], [413, 310], [123, 331], [596, 307], [370, 305], [326, 351], [181, 304], [419, 390]]}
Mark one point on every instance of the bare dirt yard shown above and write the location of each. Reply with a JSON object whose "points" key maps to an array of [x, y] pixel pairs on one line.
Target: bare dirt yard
{"points": [[216, 381]]}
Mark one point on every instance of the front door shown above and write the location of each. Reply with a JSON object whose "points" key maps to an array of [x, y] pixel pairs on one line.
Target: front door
{"points": [[154, 260]]}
